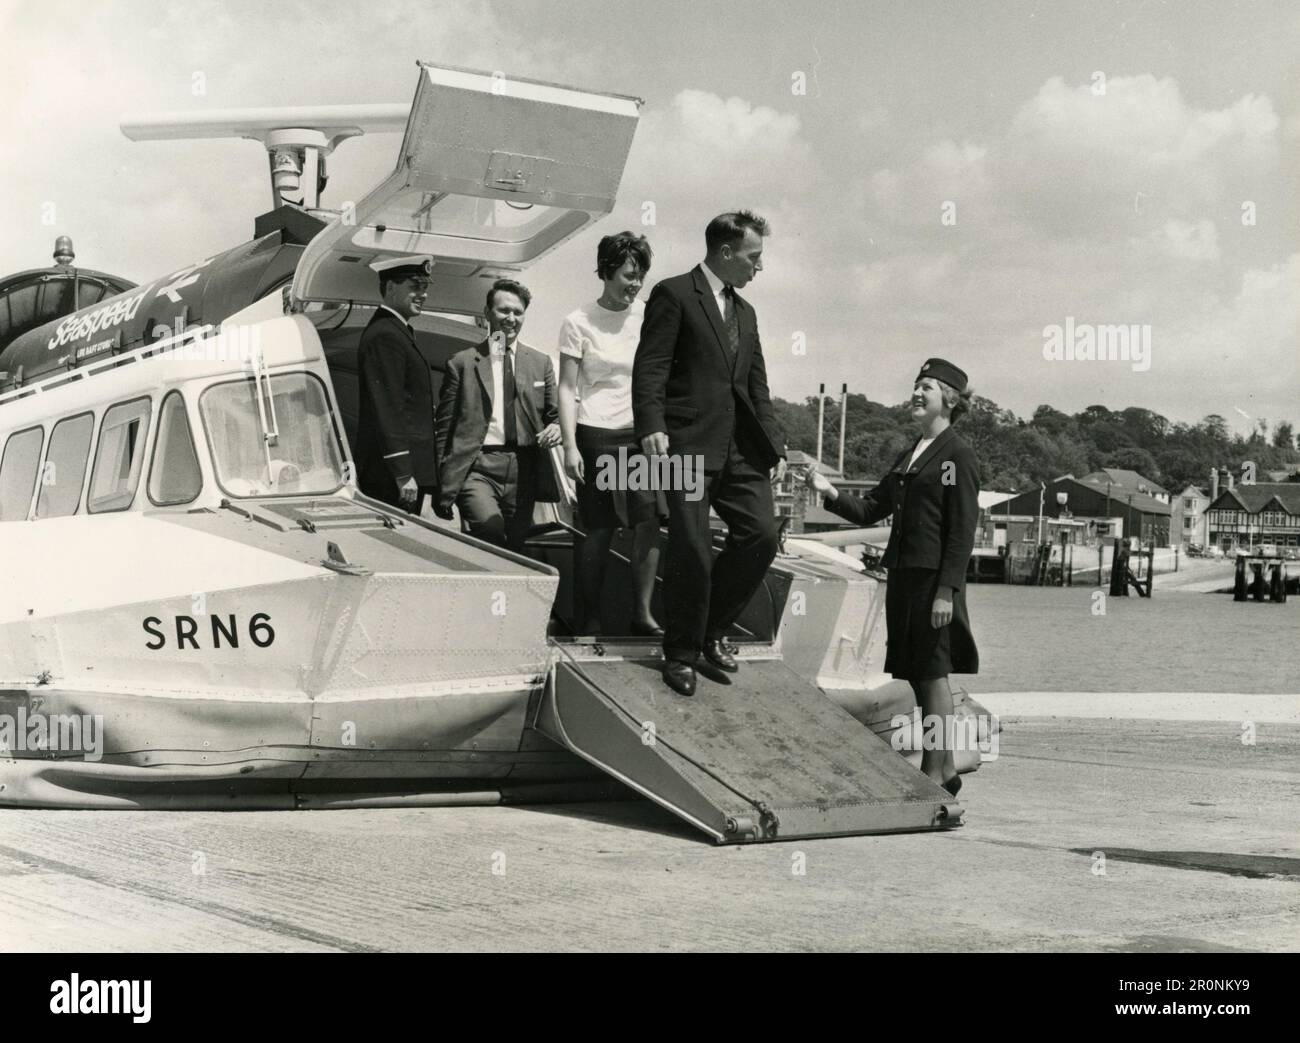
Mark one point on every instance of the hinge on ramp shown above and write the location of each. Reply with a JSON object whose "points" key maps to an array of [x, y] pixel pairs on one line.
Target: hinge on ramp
{"points": [[947, 815], [743, 827]]}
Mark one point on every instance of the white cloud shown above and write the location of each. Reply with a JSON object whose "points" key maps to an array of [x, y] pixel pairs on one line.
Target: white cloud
{"points": [[1246, 348], [1078, 160], [956, 168], [1140, 118], [734, 123], [1185, 241], [706, 146], [704, 154], [1119, 209]]}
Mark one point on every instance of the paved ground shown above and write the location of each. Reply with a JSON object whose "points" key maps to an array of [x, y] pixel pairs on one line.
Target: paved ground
{"points": [[1198, 575], [1198, 832]]}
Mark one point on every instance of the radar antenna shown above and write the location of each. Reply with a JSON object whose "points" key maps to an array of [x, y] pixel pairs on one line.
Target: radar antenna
{"points": [[297, 140]]}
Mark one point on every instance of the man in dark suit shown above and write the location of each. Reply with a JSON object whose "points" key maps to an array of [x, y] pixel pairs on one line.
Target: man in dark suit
{"points": [[699, 390], [497, 410], [395, 454]]}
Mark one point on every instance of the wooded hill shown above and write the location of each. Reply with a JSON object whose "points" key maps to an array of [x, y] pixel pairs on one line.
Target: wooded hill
{"points": [[1016, 453]]}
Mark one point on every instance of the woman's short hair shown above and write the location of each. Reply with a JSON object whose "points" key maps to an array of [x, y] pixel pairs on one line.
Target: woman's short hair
{"points": [[614, 250], [956, 402]]}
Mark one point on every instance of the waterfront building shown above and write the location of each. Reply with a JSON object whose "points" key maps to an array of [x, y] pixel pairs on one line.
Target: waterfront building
{"points": [[1084, 511], [1126, 481], [1247, 516], [1187, 522]]}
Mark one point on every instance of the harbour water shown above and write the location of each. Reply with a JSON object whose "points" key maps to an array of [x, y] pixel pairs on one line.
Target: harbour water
{"points": [[1046, 639]]}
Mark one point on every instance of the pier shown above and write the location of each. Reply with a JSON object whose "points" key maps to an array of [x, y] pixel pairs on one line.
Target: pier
{"points": [[1268, 581], [1050, 564]]}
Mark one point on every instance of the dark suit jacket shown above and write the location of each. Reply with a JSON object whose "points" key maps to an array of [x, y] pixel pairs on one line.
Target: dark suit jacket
{"points": [[935, 509], [684, 382], [395, 412], [465, 407]]}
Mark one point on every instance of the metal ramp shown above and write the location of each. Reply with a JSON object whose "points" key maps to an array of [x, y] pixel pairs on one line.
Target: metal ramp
{"points": [[767, 757]]}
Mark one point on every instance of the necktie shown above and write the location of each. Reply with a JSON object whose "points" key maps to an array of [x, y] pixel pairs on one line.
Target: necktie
{"points": [[508, 396], [731, 320]]}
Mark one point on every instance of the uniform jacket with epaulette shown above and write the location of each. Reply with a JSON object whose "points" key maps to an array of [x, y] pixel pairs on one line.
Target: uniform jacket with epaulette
{"points": [[395, 435], [935, 508]]}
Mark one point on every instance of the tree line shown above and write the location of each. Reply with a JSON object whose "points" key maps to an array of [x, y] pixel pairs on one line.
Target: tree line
{"points": [[1016, 454]]}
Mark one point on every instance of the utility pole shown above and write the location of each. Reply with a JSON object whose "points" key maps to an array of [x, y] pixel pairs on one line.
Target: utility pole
{"points": [[844, 416], [821, 414]]}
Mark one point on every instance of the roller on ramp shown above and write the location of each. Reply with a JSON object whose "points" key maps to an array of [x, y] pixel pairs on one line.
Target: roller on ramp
{"points": [[766, 757]]}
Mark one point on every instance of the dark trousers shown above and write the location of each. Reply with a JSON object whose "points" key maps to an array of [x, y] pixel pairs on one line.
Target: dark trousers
{"points": [[496, 501], [704, 597]]}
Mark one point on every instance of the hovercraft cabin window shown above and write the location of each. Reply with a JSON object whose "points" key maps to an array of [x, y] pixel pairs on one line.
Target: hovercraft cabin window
{"points": [[174, 475], [305, 457], [18, 472], [119, 457], [64, 472]]}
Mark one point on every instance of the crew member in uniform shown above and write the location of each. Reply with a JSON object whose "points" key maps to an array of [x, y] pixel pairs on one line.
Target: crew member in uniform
{"points": [[496, 410], [395, 453], [699, 391], [932, 494]]}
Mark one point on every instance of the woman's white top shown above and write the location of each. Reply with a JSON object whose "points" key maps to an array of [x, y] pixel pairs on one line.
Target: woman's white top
{"points": [[921, 447], [604, 342]]}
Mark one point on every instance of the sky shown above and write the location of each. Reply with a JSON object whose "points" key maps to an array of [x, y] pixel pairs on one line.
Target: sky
{"points": [[942, 179]]}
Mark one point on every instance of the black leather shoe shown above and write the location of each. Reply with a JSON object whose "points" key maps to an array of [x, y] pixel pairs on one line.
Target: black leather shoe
{"points": [[716, 653], [680, 677], [642, 630]]}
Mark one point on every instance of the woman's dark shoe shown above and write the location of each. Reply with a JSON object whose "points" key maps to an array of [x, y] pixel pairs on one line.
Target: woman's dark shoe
{"points": [[646, 629], [953, 785]]}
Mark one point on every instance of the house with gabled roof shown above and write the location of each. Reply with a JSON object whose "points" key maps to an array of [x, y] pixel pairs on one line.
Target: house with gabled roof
{"points": [[1187, 522], [1254, 513], [1083, 511], [1127, 481]]}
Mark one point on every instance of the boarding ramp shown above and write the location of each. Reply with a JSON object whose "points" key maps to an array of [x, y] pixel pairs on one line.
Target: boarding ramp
{"points": [[766, 757]]}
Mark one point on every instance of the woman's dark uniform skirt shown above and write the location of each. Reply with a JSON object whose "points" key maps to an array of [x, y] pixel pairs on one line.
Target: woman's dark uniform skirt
{"points": [[916, 651]]}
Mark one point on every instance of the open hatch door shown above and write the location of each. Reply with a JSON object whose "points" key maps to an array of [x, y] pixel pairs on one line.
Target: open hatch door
{"points": [[493, 172], [766, 757]]}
